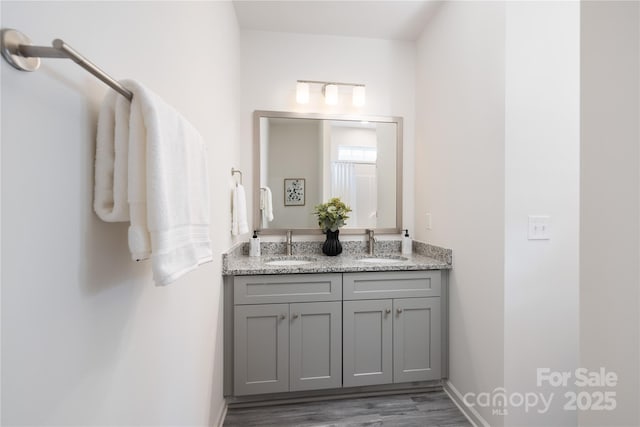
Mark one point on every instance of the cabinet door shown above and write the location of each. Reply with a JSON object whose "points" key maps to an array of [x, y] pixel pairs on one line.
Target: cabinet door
{"points": [[367, 341], [261, 358], [315, 345], [416, 339]]}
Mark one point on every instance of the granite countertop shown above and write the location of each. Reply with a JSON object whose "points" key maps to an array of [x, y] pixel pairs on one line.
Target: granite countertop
{"points": [[425, 257]]}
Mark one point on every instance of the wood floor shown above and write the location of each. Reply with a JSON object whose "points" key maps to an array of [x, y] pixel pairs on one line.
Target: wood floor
{"points": [[404, 410]]}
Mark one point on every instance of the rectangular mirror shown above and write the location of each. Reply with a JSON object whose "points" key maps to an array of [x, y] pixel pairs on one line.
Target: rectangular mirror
{"points": [[303, 160]]}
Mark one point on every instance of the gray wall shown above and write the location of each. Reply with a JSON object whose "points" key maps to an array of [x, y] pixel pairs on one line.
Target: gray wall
{"points": [[293, 153], [610, 203]]}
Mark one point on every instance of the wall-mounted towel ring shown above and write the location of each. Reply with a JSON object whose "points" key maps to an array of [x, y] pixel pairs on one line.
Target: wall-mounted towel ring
{"points": [[236, 171]]}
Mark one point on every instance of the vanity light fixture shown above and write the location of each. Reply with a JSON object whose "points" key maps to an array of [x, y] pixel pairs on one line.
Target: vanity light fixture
{"points": [[358, 96], [302, 92], [330, 92]]}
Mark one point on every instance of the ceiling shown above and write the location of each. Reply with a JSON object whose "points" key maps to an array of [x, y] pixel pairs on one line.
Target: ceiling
{"points": [[391, 19]]}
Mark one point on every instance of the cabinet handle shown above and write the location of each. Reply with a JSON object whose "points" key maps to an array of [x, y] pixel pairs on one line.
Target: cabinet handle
{"points": [[295, 315], [387, 311], [398, 310], [283, 316]]}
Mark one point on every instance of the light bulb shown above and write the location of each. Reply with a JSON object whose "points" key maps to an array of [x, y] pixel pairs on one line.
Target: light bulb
{"points": [[302, 93], [359, 96], [331, 94]]}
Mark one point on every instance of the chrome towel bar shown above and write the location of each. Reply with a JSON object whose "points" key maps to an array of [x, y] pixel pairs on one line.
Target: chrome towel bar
{"points": [[17, 50]]}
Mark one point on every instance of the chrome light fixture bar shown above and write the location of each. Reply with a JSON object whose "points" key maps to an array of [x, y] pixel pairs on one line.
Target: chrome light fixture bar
{"points": [[330, 92]]}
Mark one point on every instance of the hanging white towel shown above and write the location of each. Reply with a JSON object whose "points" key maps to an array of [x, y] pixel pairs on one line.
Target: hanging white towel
{"points": [[266, 206], [112, 152], [167, 182], [239, 224]]}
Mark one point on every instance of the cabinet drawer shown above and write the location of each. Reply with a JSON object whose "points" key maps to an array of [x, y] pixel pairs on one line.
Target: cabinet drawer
{"points": [[391, 284], [287, 288]]}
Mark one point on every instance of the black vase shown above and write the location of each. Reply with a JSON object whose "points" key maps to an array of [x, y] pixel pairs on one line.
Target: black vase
{"points": [[332, 245]]}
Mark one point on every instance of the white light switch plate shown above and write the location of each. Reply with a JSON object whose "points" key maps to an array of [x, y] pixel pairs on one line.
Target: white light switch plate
{"points": [[539, 227], [427, 221]]}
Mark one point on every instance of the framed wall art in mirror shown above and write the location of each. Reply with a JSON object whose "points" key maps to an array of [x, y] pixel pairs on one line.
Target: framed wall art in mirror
{"points": [[294, 192]]}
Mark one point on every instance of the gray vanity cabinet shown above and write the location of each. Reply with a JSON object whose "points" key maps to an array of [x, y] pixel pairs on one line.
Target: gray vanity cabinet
{"points": [[261, 348], [392, 339], [416, 339], [293, 341], [305, 332], [367, 342], [315, 356]]}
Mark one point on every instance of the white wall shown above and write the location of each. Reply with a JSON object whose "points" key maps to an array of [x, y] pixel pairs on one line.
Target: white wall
{"points": [[460, 180], [87, 339], [272, 62], [609, 203], [498, 139], [542, 177]]}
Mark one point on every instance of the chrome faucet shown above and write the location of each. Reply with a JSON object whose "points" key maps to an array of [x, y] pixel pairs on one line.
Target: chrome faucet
{"points": [[372, 241], [289, 241]]}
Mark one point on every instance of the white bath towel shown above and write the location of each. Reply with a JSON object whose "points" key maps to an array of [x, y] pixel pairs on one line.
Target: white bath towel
{"points": [[167, 184], [239, 224], [112, 152], [266, 206]]}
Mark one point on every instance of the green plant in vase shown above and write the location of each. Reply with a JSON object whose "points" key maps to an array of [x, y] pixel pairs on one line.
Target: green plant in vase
{"points": [[331, 216]]}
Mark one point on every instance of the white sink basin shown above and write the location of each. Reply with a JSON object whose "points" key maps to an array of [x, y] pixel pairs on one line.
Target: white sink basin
{"points": [[289, 262], [383, 259]]}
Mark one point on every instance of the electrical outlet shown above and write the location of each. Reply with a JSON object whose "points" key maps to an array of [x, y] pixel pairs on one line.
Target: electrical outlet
{"points": [[539, 227], [427, 221]]}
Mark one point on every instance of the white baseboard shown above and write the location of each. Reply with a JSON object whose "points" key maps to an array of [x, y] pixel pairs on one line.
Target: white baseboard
{"points": [[223, 414], [472, 415]]}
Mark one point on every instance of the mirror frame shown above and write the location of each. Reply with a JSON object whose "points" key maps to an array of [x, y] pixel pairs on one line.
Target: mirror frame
{"points": [[258, 114]]}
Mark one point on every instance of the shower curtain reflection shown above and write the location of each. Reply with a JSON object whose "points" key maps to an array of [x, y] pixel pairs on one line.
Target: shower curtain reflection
{"points": [[343, 185], [356, 184]]}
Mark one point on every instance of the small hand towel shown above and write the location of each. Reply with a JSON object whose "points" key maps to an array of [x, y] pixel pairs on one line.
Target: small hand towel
{"points": [[266, 206], [239, 224], [167, 186]]}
